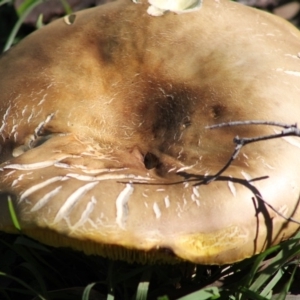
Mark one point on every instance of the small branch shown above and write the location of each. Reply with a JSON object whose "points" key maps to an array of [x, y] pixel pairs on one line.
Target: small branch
{"points": [[289, 130], [277, 212], [251, 122], [226, 166]]}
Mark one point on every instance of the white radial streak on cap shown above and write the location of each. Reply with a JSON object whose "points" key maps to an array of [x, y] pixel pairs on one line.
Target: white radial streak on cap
{"points": [[39, 186], [122, 205], [295, 73], [107, 177], [33, 166], [86, 213], [167, 201], [246, 176], [72, 200], [44, 200], [232, 188], [196, 192], [156, 210]]}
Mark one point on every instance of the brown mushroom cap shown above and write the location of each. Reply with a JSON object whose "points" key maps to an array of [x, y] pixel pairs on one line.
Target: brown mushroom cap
{"points": [[105, 142]]}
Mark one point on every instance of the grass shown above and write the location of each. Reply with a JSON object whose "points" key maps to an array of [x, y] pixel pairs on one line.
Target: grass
{"points": [[29, 270]]}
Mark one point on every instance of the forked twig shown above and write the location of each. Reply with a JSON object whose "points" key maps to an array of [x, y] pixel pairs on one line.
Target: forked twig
{"points": [[289, 130]]}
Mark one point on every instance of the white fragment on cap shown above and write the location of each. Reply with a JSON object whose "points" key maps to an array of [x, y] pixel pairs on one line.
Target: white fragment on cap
{"points": [[156, 210], [293, 73], [4, 122], [19, 150], [246, 176], [122, 205], [195, 195], [70, 19], [107, 177], [167, 201], [185, 168], [158, 7], [39, 128], [62, 165], [294, 141], [44, 200], [289, 72], [100, 171], [16, 181], [39, 186], [196, 192], [72, 200], [232, 188], [34, 166], [86, 213]]}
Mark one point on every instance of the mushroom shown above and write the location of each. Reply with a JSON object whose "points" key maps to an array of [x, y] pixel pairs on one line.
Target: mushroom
{"points": [[106, 145]]}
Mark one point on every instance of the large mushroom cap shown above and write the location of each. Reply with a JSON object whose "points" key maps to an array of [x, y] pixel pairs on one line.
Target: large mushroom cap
{"points": [[104, 138]]}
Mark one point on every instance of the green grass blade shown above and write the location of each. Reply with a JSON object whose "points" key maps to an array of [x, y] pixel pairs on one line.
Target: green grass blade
{"points": [[205, 294], [110, 297], [287, 286], [39, 23], [13, 214], [67, 7], [25, 5], [248, 294], [87, 290], [24, 241], [269, 287], [5, 2], [18, 24], [21, 282], [37, 275], [143, 287], [258, 262]]}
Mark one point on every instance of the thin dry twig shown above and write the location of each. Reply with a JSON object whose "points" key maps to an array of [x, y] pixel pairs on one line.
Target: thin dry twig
{"points": [[289, 130], [289, 219]]}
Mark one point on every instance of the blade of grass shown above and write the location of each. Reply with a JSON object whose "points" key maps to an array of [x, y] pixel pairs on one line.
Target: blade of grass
{"points": [[21, 282], [30, 256], [87, 290], [110, 297], [143, 287], [24, 6], [5, 2], [37, 275], [251, 294], [287, 286], [13, 214], [39, 23], [4, 296], [204, 294], [67, 7], [268, 288], [279, 260], [257, 264], [22, 17], [24, 241]]}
